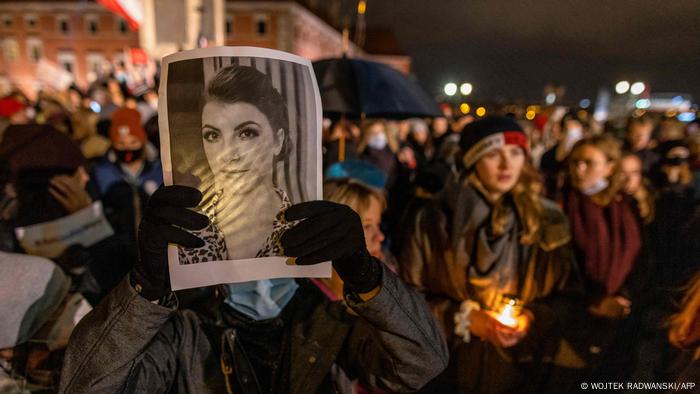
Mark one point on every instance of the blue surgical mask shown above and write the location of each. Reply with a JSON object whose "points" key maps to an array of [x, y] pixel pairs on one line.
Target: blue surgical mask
{"points": [[261, 299], [598, 187]]}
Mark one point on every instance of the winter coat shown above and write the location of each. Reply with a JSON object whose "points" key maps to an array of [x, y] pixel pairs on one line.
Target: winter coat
{"points": [[548, 283], [124, 196], [128, 344]]}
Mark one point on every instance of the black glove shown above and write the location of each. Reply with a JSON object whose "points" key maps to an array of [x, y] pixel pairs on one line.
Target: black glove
{"points": [[333, 232], [164, 219], [75, 260]]}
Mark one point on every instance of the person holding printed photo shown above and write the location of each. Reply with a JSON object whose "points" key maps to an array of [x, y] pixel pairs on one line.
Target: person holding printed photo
{"points": [[269, 336]]}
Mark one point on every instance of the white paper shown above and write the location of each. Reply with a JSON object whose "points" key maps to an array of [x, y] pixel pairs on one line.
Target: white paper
{"points": [[50, 239], [53, 75], [248, 160]]}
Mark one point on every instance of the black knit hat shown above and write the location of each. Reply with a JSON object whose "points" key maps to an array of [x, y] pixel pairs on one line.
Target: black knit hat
{"points": [[477, 138], [674, 152]]}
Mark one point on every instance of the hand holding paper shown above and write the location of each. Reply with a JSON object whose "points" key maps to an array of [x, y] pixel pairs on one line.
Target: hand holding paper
{"points": [[334, 232], [163, 222]]}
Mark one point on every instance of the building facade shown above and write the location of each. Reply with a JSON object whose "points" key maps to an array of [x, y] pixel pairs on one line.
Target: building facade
{"points": [[83, 38], [80, 37]]}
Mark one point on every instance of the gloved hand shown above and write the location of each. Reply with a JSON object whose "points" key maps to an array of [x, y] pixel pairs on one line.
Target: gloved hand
{"points": [[75, 259], [333, 232], [164, 219]]}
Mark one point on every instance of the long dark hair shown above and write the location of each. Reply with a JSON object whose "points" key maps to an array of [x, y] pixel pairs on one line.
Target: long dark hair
{"points": [[243, 84]]}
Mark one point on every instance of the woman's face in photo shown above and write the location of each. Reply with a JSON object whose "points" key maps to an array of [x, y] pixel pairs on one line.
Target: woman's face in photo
{"points": [[240, 145], [499, 169]]}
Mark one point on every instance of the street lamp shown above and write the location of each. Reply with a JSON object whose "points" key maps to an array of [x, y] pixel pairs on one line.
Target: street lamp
{"points": [[451, 89], [550, 98], [465, 89], [622, 87], [637, 88]]}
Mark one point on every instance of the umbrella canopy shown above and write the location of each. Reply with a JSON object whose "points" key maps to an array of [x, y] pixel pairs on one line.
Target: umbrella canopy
{"points": [[354, 87]]}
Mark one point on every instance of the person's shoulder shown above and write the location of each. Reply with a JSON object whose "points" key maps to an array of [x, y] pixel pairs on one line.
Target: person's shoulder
{"points": [[105, 172], [554, 226]]}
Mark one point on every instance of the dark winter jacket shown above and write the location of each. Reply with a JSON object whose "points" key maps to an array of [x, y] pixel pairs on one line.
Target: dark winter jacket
{"points": [[124, 196], [128, 344], [548, 283]]}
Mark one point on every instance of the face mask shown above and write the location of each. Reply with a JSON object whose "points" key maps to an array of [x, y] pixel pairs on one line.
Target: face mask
{"points": [[261, 299], [573, 135], [377, 141], [128, 156], [598, 187]]}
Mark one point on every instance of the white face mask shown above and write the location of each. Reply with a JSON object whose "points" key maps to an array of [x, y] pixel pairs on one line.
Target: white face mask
{"points": [[573, 135], [597, 188], [377, 141]]}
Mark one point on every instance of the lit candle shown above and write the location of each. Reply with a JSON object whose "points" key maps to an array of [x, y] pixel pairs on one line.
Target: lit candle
{"points": [[510, 311]]}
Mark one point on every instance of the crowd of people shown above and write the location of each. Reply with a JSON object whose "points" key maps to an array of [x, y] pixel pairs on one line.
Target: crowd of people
{"points": [[470, 254]]}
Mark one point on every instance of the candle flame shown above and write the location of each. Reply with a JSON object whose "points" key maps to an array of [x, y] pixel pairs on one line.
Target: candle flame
{"points": [[507, 316]]}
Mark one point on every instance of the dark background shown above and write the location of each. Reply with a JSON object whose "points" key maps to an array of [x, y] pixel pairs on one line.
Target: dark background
{"points": [[511, 49]]}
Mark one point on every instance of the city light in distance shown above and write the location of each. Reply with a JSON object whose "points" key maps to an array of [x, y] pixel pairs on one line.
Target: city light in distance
{"points": [[451, 89], [465, 88], [481, 111], [643, 103], [530, 115], [585, 103], [686, 116], [361, 7], [622, 87], [464, 108], [637, 88], [550, 98]]}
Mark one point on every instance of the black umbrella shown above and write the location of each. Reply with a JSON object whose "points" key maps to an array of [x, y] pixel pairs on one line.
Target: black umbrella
{"points": [[354, 87]]}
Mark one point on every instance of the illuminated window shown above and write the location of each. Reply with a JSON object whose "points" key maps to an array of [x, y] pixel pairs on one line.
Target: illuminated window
{"points": [[10, 50], [67, 60], [31, 21], [35, 49], [92, 24], [261, 24], [229, 25], [63, 24], [122, 26], [120, 59], [95, 62]]}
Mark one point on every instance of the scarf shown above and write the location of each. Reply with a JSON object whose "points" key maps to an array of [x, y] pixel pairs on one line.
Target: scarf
{"points": [[608, 237], [493, 260]]}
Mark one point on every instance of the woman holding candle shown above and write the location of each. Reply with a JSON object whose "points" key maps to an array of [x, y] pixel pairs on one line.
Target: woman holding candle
{"points": [[495, 262]]}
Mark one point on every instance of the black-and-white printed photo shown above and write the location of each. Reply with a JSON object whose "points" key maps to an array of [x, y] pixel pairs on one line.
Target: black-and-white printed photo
{"points": [[244, 130]]}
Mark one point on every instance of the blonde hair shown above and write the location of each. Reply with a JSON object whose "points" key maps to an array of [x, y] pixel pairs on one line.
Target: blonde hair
{"points": [[610, 147], [681, 322], [526, 198], [366, 125], [352, 193], [644, 197]]}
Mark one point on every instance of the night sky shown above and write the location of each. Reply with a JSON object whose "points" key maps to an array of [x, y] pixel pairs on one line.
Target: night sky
{"points": [[511, 49]]}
